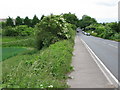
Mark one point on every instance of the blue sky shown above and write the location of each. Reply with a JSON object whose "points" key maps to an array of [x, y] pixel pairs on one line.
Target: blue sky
{"points": [[101, 10]]}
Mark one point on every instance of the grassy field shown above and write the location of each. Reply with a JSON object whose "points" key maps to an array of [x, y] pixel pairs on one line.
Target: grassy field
{"points": [[8, 52], [10, 39], [18, 42]]}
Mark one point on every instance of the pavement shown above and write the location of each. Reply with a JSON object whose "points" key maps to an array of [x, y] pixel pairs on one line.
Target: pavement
{"points": [[86, 72]]}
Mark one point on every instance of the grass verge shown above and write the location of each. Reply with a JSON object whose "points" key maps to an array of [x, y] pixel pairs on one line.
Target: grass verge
{"points": [[47, 68]]}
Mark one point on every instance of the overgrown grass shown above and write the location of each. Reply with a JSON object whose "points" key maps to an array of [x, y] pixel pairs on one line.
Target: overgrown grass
{"points": [[10, 39], [46, 68], [29, 42]]}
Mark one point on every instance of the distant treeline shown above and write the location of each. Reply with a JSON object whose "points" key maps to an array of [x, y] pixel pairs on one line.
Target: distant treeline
{"points": [[87, 23], [21, 21]]}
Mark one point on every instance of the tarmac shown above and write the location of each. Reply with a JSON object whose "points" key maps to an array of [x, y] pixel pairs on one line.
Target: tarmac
{"points": [[86, 73]]}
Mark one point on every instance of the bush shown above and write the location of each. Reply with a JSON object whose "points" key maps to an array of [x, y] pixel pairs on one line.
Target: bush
{"points": [[51, 29], [21, 30], [24, 30], [9, 31]]}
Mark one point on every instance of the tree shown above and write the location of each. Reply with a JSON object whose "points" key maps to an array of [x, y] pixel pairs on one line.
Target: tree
{"points": [[9, 22], [42, 17], [18, 21], [86, 21], [71, 18], [114, 26], [35, 20], [27, 21]]}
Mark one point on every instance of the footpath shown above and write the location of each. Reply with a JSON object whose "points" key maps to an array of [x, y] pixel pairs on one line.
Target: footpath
{"points": [[86, 73]]}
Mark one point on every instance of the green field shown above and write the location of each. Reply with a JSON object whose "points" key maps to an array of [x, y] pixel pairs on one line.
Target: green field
{"points": [[8, 52], [9, 39]]}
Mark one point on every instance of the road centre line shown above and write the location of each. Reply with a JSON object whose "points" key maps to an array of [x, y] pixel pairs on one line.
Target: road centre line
{"points": [[96, 59]]}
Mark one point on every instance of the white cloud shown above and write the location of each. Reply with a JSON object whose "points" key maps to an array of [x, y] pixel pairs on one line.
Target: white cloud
{"points": [[99, 9]]}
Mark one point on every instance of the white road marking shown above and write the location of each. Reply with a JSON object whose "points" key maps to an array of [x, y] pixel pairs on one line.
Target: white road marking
{"points": [[98, 60], [112, 45], [104, 42]]}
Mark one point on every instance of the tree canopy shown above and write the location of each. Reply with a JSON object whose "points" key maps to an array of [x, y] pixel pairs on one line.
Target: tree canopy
{"points": [[27, 21], [35, 20], [71, 18], [86, 21], [9, 22], [18, 20]]}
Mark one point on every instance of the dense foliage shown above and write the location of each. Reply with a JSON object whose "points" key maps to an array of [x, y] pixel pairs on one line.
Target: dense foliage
{"points": [[71, 18], [21, 30], [9, 22], [86, 21], [18, 21], [51, 29], [106, 30], [35, 20], [27, 21], [21, 21]]}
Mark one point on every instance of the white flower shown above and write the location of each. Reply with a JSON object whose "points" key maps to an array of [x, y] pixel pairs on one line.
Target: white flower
{"points": [[51, 86], [41, 85]]}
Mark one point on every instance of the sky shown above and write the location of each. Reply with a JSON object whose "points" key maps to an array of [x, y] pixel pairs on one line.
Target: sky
{"points": [[101, 10]]}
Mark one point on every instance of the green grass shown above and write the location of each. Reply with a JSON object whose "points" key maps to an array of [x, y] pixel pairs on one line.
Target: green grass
{"points": [[29, 42], [10, 39], [8, 52], [39, 69]]}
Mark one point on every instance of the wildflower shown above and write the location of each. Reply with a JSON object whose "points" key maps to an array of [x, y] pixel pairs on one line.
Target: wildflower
{"points": [[51, 86], [41, 85]]}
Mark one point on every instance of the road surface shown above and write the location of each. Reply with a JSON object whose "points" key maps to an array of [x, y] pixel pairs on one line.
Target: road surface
{"points": [[86, 72], [106, 51]]}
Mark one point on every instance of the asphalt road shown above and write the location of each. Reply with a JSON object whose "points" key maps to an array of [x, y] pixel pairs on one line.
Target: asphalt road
{"points": [[106, 50]]}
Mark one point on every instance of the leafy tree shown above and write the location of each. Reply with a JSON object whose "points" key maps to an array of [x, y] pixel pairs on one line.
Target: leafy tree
{"points": [[114, 26], [35, 20], [52, 29], [9, 22], [18, 21], [71, 18], [86, 21], [27, 21]]}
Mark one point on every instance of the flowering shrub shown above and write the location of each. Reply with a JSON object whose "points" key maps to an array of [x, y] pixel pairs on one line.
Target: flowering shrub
{"points": [[51, 29]]}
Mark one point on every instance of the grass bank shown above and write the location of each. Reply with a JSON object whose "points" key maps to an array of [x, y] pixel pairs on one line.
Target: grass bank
{"points": [[46, 68]]}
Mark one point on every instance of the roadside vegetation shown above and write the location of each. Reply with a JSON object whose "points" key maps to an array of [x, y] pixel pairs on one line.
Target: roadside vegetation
{"points": [[103, 30], [41, 55], [37, 53]]}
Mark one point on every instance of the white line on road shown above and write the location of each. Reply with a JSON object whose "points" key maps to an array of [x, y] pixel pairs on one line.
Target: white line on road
{"points": [[104, 42], [96, 60], [112, 45]]}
